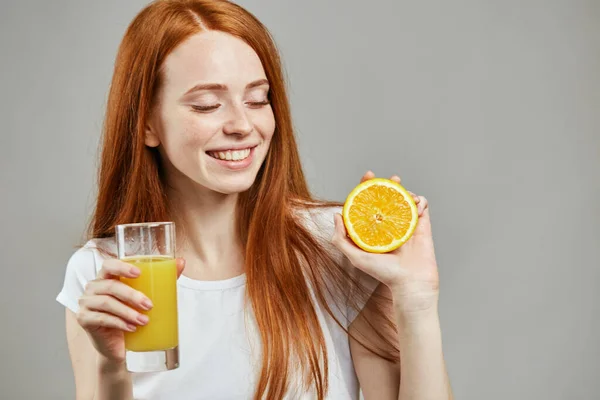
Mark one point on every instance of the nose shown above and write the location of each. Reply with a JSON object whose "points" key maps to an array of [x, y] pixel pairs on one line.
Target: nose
{"points": [[238, 123]]}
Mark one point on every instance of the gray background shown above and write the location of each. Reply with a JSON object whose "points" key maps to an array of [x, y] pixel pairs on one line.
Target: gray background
{"points": [[489, 108]]}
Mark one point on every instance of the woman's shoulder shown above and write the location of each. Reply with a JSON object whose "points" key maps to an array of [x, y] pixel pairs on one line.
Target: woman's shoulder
{"points": [[91, 255], [82, 267]]}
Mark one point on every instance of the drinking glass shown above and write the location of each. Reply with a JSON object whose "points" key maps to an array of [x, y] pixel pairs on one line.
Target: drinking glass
{"points": [[151, 248]]}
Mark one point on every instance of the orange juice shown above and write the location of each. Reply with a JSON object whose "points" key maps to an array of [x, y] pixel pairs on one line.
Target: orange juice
{"points": [[158, 281]]}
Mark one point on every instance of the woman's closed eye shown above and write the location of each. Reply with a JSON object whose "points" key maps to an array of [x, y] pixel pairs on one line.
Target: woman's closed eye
{"points": [[258, 98], [213, 107], [257, 104], [205, 108]]}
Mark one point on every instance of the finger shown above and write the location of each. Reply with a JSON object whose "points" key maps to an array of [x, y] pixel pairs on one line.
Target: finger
{"points": [[396, 179], [120, 291], [423, 226], [344, 243], [114, 268], [368, 175], [91, 320], [110, 305], [422, 205], [416, 198], [180, 266]]}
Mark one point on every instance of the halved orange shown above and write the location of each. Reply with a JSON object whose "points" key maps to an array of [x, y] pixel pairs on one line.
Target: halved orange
{"points": [[380, 215]]}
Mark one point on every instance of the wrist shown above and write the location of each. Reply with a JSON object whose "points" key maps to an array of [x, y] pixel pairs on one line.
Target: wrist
{"points": [[415, 299], [417, 326], [112, 367], [114, 381]]}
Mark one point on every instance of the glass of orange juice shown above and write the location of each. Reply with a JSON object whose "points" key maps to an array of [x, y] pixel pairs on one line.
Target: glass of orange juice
{"points": [[151, 248]]}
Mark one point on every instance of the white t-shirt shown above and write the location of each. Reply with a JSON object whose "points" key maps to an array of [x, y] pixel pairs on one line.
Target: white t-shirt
{"points": [[217, 343]]}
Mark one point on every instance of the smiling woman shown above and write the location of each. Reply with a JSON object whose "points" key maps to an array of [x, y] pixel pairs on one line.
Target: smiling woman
{"points": [[211, 111], [198, 131]]}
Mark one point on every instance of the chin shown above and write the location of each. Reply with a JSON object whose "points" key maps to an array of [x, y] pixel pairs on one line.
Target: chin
{"points": [[233, 185]]}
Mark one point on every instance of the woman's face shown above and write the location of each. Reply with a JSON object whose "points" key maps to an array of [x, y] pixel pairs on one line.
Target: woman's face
{"points": [[213, 121]]}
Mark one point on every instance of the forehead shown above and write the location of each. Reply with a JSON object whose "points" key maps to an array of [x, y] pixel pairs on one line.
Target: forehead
{"points": [[212, 57]]}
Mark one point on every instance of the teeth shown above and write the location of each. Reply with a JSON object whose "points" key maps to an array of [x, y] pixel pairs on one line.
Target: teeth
{"points": [[236, 155]]}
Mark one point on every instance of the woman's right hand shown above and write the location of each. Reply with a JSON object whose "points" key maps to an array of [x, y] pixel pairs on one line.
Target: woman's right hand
{"points": [[109, 307]]}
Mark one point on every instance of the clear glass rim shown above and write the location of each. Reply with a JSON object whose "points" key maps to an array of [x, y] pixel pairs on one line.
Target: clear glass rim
{"points": [[146, 224]]}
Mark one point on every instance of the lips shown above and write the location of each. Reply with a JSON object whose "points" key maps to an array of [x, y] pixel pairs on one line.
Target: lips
{"points": [[230, 155], [237, 159]]}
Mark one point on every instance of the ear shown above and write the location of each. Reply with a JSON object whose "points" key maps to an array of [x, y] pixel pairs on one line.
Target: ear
{"points": [[151, 139]]}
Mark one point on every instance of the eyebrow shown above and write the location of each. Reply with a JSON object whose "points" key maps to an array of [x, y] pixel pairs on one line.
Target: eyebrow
{"points": [[220, 87]]}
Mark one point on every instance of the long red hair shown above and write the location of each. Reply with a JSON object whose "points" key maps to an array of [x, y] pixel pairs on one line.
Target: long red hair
{"points": [[283, 262]]}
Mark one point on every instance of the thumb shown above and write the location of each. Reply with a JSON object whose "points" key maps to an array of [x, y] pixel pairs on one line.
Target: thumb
{"points": [[342, 241], [180, 266], [339, 230]]}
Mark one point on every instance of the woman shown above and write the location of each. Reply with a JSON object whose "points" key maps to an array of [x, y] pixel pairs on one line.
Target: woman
{"points": [[198, 131]]}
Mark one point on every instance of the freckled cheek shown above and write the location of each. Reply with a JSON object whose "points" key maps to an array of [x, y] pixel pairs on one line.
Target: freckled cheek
{"points": [[198, 133], [190, 133], [266, 126]]}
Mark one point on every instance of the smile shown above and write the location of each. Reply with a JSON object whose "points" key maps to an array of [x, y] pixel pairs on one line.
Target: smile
{"points": [[230, 155]]}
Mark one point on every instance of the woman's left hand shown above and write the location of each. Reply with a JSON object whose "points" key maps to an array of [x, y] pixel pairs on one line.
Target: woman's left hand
{"points": [[410, 271]]}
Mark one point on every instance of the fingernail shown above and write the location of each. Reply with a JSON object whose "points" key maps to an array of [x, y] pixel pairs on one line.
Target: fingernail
{"points": [[143, 319], [147, 304], [130, 328], [134, 271]]}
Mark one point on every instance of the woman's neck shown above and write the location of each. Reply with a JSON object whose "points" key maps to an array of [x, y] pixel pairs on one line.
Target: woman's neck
{"points": [[207, 235]]}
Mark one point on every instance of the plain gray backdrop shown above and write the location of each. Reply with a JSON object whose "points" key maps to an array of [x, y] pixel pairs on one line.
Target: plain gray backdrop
{"points": [[488, 108]]}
